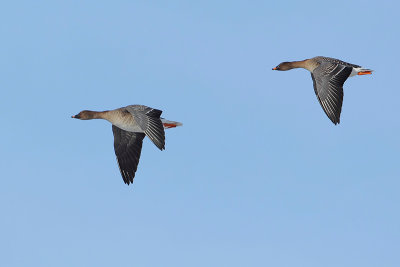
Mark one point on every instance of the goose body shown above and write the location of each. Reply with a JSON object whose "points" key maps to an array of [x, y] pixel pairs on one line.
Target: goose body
{"points": [[130, 125], [328, 75]]}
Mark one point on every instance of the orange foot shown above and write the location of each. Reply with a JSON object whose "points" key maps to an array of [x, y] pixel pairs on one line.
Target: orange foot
{"points": [[364, 72], [169, 125]]}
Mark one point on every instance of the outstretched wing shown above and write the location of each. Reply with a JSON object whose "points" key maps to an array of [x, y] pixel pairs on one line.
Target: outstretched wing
{"points": [[127, 146], [328, 79], [150, 122]]}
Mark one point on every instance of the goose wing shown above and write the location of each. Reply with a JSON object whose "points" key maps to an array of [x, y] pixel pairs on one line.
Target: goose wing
{"points": [[150, 122], [328, 79], [127, 147]]}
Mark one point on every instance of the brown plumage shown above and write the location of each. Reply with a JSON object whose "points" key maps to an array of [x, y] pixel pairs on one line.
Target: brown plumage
{"points": [[130, 125], [328, 75]]}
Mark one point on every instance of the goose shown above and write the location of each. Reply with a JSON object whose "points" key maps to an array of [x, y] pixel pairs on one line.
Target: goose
{"points": [[328, 75], [130, 125]]}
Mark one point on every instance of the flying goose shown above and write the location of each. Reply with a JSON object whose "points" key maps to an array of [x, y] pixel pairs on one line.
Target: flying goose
{"points": [[130, 125], [328, 75]]}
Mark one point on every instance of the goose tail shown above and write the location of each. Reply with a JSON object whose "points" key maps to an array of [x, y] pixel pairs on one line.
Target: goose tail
{"points": [[360, 71], [170, 124]]}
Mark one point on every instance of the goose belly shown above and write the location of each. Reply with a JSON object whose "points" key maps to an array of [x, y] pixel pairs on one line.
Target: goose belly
{"points": [[130, 127]]}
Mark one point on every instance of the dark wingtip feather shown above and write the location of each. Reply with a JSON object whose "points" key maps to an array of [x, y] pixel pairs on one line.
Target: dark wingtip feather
{"points": [[334, 120], [128, 182]]}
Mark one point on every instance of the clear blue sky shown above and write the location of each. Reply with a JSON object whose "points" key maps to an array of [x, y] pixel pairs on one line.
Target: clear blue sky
{"points": [[257, 176]]}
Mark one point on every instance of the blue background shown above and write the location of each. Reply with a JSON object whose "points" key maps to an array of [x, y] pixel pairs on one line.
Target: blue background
{"points": [[257, 176]]}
